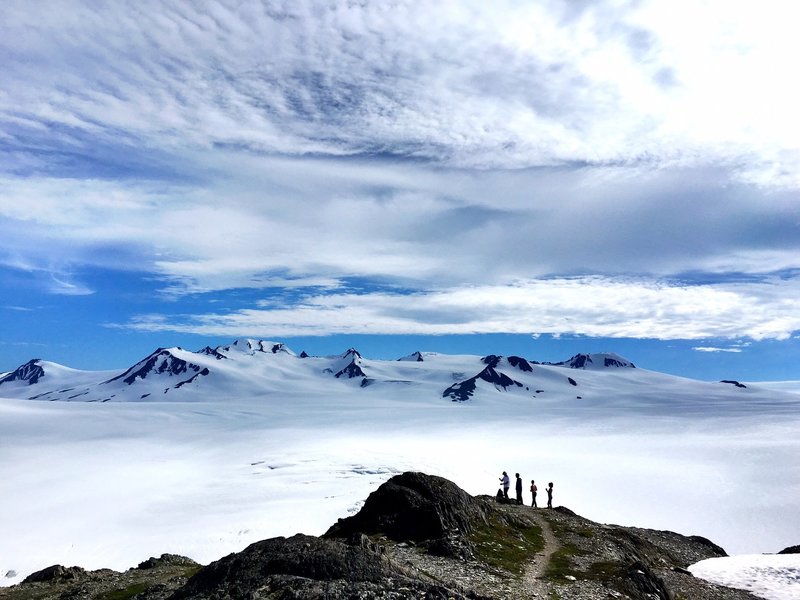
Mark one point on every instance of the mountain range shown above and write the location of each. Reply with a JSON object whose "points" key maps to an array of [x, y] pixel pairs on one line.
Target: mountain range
{"points": [[248, 368]]}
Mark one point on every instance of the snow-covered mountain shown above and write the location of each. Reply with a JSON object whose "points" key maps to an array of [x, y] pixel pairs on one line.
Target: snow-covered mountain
{"points": [[249, 368]]}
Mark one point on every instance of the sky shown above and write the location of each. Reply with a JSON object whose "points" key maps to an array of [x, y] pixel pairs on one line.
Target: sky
{"points": [[537, 178]]}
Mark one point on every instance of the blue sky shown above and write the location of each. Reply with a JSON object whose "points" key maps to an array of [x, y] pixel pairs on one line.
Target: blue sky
{"points": [[512, 177]]}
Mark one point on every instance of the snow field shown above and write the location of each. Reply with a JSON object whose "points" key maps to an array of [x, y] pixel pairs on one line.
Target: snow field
{"points": [[108, 485]]}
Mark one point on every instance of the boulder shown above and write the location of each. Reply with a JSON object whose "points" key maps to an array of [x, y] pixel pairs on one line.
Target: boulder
{"points": [[55, 573], [418, 508]]}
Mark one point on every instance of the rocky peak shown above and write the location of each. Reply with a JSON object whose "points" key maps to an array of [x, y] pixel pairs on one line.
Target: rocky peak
{"points": [[160, 362], [419, 508], [595, 361], [32, 371]]}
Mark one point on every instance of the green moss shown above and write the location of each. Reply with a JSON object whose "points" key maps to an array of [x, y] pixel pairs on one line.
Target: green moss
{"points": [[192, 571], [560, 564], [126, 593], [603, 571], [505, 547]]}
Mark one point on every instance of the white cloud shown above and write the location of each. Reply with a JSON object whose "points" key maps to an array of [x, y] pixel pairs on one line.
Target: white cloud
{"points": [[299, 222], [716, 349], [593, 306], [230, 147], [463, 83]]}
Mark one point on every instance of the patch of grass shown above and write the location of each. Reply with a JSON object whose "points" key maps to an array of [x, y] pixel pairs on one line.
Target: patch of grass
{"points": [[126, 593], [503, 546], [603, 571], [560, 564], [192, 571]]}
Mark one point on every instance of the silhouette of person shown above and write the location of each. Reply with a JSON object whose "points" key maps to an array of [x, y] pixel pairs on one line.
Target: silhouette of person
{"points": [[506, 484], [533, 493], [550, 495], [518, 487]]}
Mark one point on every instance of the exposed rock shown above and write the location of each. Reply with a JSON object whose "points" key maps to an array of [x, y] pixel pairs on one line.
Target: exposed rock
{"points": [[732, 382], [55, 572], [790, 550], [463, 390], [31, 372], [520, 363], [419, 508], [166, 559], [492, 360], [162, 361], [350, 371]]}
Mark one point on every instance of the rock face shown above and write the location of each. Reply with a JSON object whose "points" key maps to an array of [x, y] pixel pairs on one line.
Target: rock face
{"points": [[419, 536], [162, 361], [790, 550], [31, 372], [419, 508]]}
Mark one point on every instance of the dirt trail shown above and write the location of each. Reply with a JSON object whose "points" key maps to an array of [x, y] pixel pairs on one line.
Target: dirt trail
{"points": [[531, 579]]}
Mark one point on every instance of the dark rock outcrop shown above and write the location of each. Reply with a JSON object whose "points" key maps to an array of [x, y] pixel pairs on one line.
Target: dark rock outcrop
{"points": [[492, 360], [790, 550], [419, 508], [31, 372], [55, 573], [160, 362], [732, 382], [520, 363], [463, 390], [350, 371]]}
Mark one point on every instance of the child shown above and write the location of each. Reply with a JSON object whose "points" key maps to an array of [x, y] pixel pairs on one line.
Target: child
{"points": [[550, 495]]}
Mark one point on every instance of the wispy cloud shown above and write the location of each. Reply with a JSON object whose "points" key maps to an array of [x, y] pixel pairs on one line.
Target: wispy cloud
{"points": [[716, 349], [294, 222], [593, 306]]}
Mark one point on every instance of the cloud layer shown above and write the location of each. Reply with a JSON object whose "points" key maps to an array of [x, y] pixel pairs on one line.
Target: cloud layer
{"points": [[606, 169]]}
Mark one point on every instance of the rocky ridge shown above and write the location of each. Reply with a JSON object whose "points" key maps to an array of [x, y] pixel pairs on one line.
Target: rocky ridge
{"points": [[420, 536]]}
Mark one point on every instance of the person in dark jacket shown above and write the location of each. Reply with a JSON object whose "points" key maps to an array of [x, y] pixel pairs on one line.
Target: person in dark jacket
{"points": [[550, 495], [533, 493], [519, 489]]}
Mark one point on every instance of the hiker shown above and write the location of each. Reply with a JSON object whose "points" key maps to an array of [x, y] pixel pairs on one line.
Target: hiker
{"points": [[533, 493], [518, 487], [550, 495], [506, 484]]}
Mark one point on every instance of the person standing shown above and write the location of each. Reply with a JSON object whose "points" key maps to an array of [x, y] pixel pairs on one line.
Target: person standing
{"points": [[518, 488], [506, 484], [550, 495], [533, 493]]}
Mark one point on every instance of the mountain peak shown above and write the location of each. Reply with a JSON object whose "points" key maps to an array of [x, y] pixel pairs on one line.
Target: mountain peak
{"points": [[32, 371], [162, 361], [599, 360]]}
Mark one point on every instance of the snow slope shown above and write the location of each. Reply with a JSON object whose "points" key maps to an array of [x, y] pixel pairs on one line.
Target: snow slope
{"points": [[770, 576], [268, 443]]}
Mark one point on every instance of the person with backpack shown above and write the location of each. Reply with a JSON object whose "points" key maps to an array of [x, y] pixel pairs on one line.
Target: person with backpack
{"points": [[550, 495], [518, 487], [506, 484], [533, 493]]}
